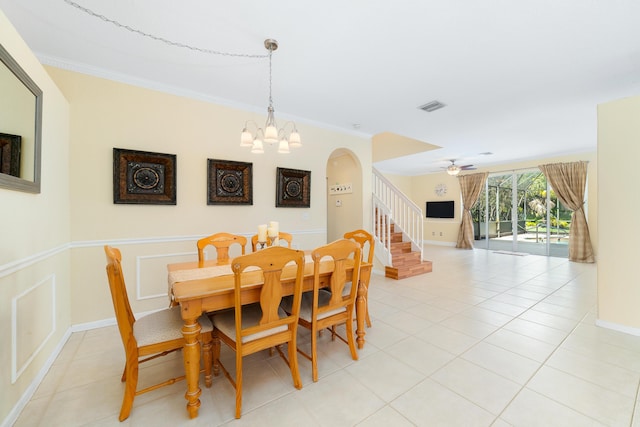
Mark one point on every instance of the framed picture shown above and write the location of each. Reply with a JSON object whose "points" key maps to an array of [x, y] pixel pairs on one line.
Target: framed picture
{"points": [[10, 154], [293, 188], [141, 177], [229, 182]]}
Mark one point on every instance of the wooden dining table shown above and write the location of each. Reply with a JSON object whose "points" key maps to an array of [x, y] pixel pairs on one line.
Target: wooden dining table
{"points": [[211, 287]]}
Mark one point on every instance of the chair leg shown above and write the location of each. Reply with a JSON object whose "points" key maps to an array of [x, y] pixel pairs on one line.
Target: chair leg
{"points": [[350, 339], [367, 318], [314, 354], [238, 384], [131, 373], [293, 362], [207, 359], [216, 353]]}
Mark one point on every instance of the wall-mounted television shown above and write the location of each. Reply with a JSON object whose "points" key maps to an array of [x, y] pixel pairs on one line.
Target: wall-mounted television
{"points": [[445, 209]]}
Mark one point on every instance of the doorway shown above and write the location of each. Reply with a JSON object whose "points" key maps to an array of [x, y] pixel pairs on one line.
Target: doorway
{"points": [[519, 212], [344, 194]]}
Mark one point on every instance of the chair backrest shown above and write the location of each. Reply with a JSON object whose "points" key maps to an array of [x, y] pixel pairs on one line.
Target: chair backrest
{"points": [[271, 261], [222, 242], [362, 237], [344, 253], [281, 236], [121, 306]]}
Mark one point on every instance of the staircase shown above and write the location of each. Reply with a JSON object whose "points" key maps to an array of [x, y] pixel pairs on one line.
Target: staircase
{"points": [[404, 261], [398, 231]]}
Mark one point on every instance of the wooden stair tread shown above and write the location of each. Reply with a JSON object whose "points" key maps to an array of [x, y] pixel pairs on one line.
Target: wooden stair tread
{"points": [[399, 273]]}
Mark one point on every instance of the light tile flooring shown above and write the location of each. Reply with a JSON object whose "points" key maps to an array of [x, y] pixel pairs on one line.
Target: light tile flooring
{"points": [[486, 339]]}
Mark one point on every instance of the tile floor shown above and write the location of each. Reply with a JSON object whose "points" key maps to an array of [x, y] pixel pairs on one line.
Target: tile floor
{"points": [[486, 339]]}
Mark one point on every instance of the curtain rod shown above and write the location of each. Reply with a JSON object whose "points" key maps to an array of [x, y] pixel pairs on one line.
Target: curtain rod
{"points": [[527, 168]]}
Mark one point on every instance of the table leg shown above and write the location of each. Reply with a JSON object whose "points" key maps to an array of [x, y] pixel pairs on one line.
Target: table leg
{"points": [[191, 355], [361, 304]]}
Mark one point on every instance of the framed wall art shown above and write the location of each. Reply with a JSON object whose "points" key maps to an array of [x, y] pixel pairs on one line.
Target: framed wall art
{"points": [[293, 188], [10, 146], [229, 182], [141, 177]]}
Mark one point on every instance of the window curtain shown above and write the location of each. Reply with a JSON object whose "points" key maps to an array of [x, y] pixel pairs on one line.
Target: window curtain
{"points": [[569, 181], [470, 186]]}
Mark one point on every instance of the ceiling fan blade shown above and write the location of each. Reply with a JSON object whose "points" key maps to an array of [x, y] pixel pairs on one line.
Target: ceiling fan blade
{"points": [[467, 167]]}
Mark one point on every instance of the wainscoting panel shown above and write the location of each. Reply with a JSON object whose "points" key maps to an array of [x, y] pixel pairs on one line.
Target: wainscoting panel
{"points": [[31, 329], [151, 273]]}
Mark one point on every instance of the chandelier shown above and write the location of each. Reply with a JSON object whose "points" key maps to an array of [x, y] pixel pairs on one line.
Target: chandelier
{"points": [[271, 133]]}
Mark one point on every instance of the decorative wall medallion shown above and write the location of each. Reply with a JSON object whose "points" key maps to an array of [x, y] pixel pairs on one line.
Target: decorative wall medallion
{"points": [[229, 182], [141, 177], [293, 188], [440, 189]]}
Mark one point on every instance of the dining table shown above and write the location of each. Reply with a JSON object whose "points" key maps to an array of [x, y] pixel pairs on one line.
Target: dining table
{"points": [[210, 287]]}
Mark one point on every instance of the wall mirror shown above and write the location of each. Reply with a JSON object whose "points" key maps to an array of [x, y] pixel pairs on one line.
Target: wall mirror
{"points": [[20, 127]]}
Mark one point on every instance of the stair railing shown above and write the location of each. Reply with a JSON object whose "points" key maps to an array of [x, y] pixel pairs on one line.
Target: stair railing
{"points": [[382, 230], [391, 205]]}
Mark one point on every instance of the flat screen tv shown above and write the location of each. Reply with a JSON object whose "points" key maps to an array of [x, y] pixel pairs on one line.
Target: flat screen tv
{"points": [[441, 209]]}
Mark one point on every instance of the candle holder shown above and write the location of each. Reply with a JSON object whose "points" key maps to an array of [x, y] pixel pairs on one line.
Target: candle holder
{"points": [[272, 240], [261, 245]]}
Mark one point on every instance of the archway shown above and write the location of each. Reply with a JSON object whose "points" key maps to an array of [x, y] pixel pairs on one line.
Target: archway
{"points": [[344, 193]]}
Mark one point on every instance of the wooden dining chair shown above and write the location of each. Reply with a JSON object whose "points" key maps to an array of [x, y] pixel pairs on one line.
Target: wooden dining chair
{"points": [[222, 242], [365, 240], [282, 236], [151, 336], [327, 308], [262, 325]]}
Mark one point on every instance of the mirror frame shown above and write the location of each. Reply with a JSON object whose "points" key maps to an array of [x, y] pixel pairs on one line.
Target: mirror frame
{"points": [[13, 182]]}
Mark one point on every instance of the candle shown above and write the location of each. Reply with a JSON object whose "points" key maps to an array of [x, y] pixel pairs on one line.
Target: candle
{"points": [[276, 227], [262, 233], [276, 231], [272, 232]]}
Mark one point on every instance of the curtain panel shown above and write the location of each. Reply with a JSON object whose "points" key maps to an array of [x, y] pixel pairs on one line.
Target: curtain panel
{"points": [[569, 181], [470, 186]]}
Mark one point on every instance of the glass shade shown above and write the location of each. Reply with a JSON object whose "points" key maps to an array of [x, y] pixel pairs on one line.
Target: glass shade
{"points": [[453, 170], [258, 147], [271, 134], [283, 146], [294, 139], [246, 139]]}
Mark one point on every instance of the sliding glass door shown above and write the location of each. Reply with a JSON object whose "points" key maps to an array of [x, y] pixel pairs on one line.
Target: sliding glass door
{"points": [[518, 212]]}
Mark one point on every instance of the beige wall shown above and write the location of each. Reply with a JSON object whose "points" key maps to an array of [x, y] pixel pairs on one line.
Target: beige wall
{"points": [[107, 114], [402, 182], [34, 242], [618, 154]]}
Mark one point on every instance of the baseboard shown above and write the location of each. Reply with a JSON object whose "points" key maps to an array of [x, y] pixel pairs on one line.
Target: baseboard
{"points": [[439, 243], [617, 327]]}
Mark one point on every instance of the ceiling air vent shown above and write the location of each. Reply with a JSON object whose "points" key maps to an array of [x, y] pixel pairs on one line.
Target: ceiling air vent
{"points": [[432, 106]]}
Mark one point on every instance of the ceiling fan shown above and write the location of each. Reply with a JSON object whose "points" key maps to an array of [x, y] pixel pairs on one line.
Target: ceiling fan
{"points": [[454, 169]]}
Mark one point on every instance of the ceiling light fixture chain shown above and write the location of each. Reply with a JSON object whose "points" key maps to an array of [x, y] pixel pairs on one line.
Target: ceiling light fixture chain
{"points": [[270, 133], [158, 38]]}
